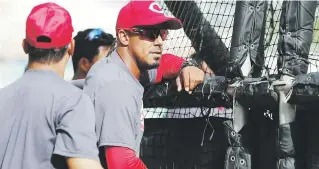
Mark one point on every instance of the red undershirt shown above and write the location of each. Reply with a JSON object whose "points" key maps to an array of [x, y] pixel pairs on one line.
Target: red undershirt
{"points": [[169, 67], [122, 158]]}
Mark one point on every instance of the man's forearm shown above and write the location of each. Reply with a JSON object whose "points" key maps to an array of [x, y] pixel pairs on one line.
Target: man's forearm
{"points": [[171, 65], [82, 163]]}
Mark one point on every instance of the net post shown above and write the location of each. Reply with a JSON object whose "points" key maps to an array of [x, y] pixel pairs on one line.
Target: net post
{"points": [[295, 38], [246, 60]]}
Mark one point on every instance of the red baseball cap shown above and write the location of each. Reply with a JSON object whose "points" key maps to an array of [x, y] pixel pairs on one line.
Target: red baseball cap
{"points": [[145, 14], [49, 26]]}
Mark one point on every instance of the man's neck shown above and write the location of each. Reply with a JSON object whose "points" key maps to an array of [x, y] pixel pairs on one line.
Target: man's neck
{"points": [[57, 68], [79, 75], [129, 61]]}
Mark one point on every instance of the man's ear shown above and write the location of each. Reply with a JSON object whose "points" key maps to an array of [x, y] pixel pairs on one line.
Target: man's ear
{"points": [[25, 46], [123, 37], [71, 47], [84, 64]]}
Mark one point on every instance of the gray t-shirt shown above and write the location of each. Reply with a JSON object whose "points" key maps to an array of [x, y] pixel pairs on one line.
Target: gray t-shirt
{"points": [[117, 98], [44, 119], [147, 78]]}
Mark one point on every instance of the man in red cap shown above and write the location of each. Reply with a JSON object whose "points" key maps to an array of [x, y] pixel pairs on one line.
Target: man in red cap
{"points": [[114, 85], [46, 122]]}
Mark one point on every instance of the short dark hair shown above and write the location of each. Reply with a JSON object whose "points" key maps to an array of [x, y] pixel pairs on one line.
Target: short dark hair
{"points": [[46, 56], [89, 48]]}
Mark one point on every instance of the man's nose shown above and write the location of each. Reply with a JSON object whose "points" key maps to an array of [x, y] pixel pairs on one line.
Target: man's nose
{"points": [[159, 41]]}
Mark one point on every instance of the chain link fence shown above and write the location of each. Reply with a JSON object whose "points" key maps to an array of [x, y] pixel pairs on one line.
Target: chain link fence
{"points": [[186, 138]]}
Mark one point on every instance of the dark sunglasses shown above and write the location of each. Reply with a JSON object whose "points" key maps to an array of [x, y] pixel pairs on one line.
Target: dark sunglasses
{"points": [[94, 34], [151, 33]]}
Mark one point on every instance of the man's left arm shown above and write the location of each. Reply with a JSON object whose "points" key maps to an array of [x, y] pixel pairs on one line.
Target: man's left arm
{"points": [[188, 74], [169, 67]]}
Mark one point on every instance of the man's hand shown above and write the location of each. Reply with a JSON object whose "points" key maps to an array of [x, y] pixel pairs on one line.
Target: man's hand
{"points": [[206, 69], [189, 78]]}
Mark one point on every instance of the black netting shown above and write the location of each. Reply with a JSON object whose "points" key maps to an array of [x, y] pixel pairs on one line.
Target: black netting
{"points": [[272, 36], [218, 16], [174, 134], [181, 144]]}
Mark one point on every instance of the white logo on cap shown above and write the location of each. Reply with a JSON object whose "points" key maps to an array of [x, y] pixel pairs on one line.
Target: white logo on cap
{"points": [[153, 4]]}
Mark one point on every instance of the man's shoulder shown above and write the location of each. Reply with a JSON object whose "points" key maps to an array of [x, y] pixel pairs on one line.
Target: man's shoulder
{"points": [[66, 89], [60, 89], [69, 96], [55, 91], [106, 71], [7, 90]]}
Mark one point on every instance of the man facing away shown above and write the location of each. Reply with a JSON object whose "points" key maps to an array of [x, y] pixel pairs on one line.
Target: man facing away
{"points": [[46, 122], [113, 83]]}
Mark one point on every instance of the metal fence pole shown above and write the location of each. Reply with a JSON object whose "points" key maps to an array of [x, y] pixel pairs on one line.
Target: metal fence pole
{"points": [[246, 59], [296, 31]]}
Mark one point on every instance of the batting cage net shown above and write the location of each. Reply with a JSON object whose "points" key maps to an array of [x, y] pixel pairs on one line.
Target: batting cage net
{"points": [[185, 132]]}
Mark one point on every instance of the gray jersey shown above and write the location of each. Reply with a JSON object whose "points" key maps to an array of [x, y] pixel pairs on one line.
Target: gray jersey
{"points": [[147, 78], [117, 97], [42, 120]]}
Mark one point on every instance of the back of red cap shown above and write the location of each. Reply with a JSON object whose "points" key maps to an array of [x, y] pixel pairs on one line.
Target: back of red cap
{"points": [[49, 26]]}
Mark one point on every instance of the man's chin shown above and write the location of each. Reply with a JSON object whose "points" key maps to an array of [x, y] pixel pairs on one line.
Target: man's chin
{"points": [[153, 66]]}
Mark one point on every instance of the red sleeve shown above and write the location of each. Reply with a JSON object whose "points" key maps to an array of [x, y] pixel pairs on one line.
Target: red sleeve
{"points": [[122, 158], [169, 67]]}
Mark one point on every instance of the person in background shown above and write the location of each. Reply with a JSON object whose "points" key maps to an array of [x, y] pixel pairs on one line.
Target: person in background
{"points": [[91, 45], [45, 122]]}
